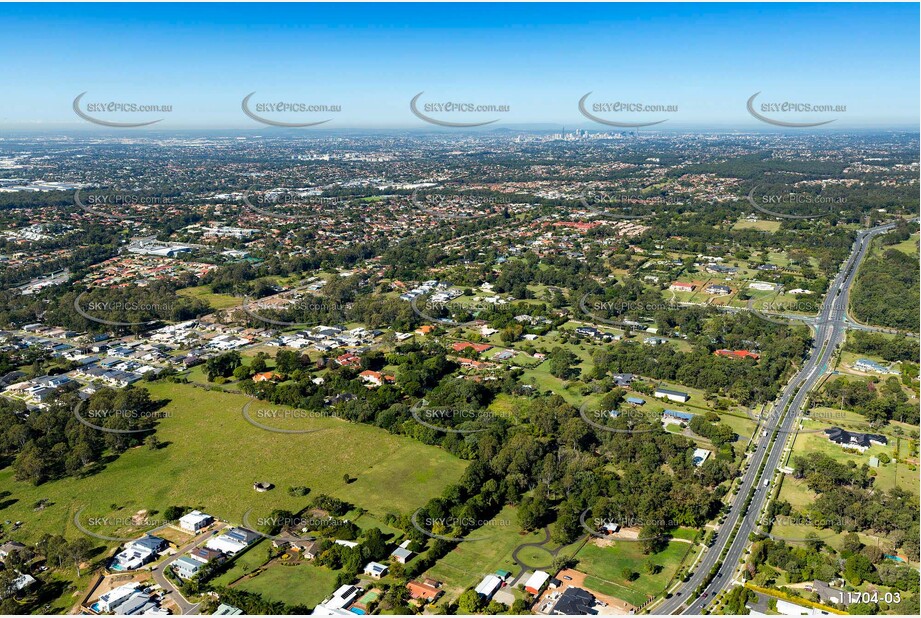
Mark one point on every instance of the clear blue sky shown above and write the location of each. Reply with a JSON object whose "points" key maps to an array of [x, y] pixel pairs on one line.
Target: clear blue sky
{"points": [[540, 59]]}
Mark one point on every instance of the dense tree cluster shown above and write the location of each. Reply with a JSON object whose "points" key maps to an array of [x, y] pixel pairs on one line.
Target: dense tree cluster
{"points": [[887, 291], [52, 442], [879, 401]]}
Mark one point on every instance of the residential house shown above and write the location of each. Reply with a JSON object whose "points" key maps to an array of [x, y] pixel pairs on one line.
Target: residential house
{"points": [[195, 521], [865, 365], [375, 570], [575, 602], [115, 597], [427, 590], [206, 555], [227, 610], [850, 439], [186, 567], [460, 346], [344, 596], [10, 547]]}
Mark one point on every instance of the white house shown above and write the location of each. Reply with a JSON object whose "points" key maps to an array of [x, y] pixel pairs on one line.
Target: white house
{"points": [[375, 570], [115, 597], [195, 521]]}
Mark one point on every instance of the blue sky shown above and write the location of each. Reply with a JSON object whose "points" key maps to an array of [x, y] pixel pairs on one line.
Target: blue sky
{"points": [[538, 59]]}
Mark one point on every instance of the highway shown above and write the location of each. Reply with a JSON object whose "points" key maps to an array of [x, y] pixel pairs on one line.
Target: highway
{"points": [[830, 327]]}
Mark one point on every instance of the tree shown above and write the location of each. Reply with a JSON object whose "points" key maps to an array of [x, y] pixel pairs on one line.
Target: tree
{"points": [[78, 551], [469, 603], [858, 568], [222, 365]]}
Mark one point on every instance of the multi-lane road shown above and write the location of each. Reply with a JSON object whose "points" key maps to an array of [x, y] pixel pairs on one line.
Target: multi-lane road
{"points": [[830, 327]]}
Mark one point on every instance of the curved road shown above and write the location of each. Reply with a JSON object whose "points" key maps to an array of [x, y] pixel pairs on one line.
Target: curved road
{"points": [[830, 328]]}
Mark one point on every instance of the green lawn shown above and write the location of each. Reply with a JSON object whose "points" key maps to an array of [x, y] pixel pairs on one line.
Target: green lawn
{"points": [[604, 565], [760, 225], [215, 301], [909, 247], [244, 563], [213, 456], [303, 584], [467, 563]]}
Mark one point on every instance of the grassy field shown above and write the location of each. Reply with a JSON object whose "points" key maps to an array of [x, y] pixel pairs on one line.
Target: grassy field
{"points": [[604, 565], [908, 247], [244, 563], [466, 564], [212, 456], [761, 225], [215, 301], [302, 584], [887, 476]]}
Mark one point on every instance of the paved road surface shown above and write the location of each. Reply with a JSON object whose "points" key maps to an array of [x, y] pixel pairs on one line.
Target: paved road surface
{"points": [[185, 607]]}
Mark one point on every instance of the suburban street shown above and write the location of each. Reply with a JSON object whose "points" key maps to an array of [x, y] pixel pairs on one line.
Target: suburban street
{"points": [[185, 607], [830, 327]]}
